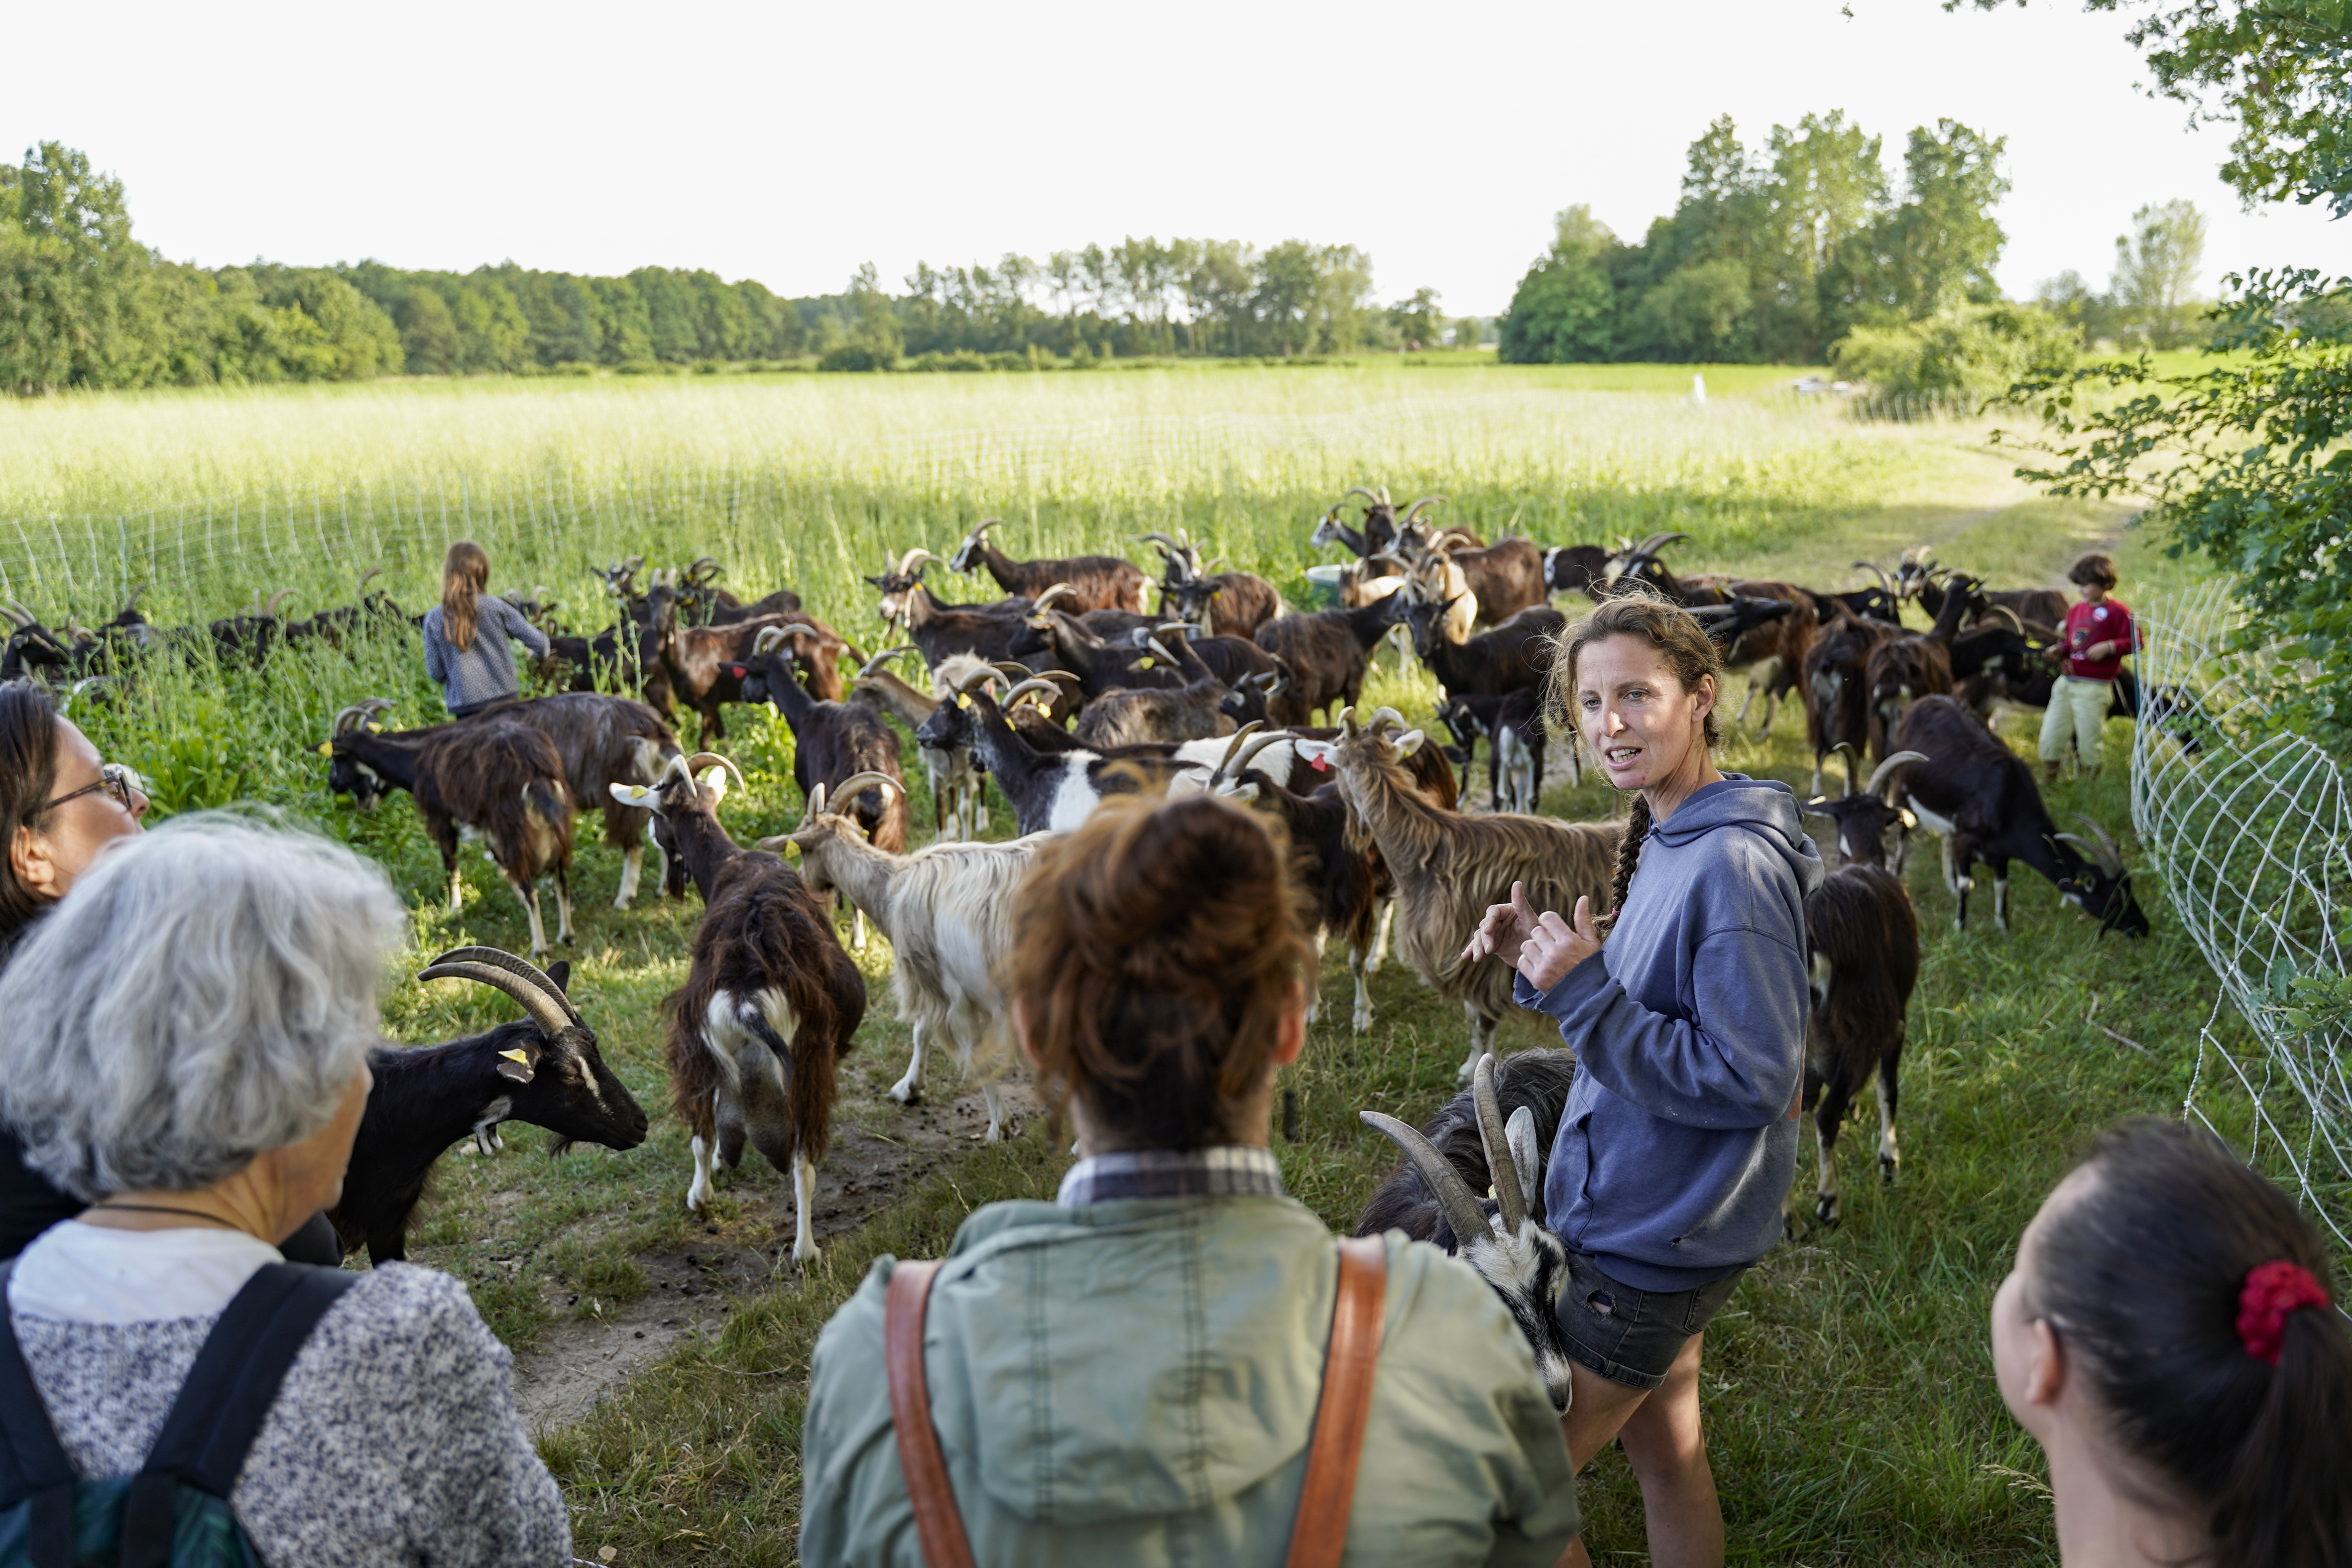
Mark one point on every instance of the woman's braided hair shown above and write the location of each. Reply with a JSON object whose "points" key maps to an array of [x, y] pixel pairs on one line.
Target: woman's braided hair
{"points": [[1688, 652]]}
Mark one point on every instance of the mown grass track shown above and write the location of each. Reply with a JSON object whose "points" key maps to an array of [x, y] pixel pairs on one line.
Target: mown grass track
{"points": [[1849, 1404]]}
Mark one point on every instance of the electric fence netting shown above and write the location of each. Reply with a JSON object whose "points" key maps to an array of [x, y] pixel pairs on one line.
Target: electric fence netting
{"points": [[2252, 832]]}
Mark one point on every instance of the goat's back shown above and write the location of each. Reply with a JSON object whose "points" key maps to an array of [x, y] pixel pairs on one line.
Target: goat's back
{"points": [[504, 780]]}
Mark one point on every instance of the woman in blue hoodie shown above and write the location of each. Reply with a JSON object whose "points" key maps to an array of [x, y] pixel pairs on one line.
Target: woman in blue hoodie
{"points": [[1677, 1145]]}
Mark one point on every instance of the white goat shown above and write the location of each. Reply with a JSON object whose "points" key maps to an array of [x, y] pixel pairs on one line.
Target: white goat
{"points": [[947, 909]]}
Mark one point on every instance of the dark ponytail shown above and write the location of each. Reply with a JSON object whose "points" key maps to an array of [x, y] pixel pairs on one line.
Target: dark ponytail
{"points": [[2145, 1278], [28, 776]]}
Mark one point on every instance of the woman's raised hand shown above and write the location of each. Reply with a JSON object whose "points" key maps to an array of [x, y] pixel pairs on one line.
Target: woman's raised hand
{"points": [[1504, 929], [1554, 946]]}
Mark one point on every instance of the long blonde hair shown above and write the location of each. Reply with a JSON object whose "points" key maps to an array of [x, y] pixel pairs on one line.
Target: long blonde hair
{"points": [[465, 574]]}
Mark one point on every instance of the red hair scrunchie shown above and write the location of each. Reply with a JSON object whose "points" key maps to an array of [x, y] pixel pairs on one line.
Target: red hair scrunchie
{"points": [[2273, 1290]]}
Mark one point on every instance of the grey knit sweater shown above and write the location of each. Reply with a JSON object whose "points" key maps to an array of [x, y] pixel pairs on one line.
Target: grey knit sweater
{"points": [[484, 672], [393, 1442]]}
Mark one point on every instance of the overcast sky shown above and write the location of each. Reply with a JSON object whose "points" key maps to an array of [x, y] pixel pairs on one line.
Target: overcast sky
{"points": [[790, 142]]}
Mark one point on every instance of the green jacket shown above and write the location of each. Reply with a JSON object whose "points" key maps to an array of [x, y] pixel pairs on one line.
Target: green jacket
{"points": [[1135, 1382]]}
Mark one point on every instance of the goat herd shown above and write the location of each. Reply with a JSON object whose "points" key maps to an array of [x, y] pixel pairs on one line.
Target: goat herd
{"points": [[1065, 690]]}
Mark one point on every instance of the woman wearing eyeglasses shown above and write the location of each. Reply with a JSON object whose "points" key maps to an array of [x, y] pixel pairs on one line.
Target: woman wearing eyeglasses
{"points": [[64, 808]]}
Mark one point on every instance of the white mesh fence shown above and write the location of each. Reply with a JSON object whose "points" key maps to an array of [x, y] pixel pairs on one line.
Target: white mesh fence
{"points": [[2250, 832]]}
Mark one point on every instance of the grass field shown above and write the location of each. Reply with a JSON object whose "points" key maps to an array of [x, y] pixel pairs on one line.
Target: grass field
{"points": [[1850, 1402]]}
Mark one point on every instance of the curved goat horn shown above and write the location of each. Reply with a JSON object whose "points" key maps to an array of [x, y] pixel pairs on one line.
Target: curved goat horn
{"points": [[701, 760], [1012, 698], [1875, 570], [1414, 511], [2006, 613], [1886, 770], [548, 1007], [1058, 591], [1383, 716], [1225, 760], [1501, 1169], [858, 784], [915, 561], [767, 638], [885, 656], [2109, 857], [1371, 501], [1658, 542], [1454, 1199], [1262, 743]]}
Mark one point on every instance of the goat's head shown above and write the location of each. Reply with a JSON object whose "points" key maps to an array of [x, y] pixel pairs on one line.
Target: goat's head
{"points": [[1523, 1262], [774, 649], [968, 554], [346, 775], [1640, 560], [1427, 618], [951, 726], [1250, 695], [1863, 818], [829, 822], [1366, 752], [2094, 879], [1464, 724], [678, 794], [552, 1075], [1911, 573], [899, 581]]}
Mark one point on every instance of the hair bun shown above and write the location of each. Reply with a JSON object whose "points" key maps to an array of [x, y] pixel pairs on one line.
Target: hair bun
{"points": [[2272, 1290]]}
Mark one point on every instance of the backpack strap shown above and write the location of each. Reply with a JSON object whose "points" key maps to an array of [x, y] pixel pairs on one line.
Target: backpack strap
{"points": [[1342, 1415], [228, 1396], [33, 1464], [1329, 1496], [938, 1526]]}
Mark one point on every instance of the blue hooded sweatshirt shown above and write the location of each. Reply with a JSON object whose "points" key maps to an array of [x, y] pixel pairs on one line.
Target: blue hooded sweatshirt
{"points": [[1678, 1142]]}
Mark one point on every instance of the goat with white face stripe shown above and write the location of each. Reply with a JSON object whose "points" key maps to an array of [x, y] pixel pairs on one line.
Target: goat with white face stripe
{"points": [[755, 1037]]}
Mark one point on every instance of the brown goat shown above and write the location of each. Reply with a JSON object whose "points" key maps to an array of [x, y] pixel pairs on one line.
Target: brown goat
{"points": [[1097, 581], [505, 781], [1772, 654], [754, 1038]]}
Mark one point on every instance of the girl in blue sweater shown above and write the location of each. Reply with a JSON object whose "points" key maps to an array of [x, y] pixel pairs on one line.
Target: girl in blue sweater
{"points": [[1677, 1145]]}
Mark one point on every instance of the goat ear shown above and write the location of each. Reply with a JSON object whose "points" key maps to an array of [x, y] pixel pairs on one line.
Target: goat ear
{"points": [[631, 793], [1409, 743], [1520, 1133], [714, 779], [559, 972], [517, 1066]]}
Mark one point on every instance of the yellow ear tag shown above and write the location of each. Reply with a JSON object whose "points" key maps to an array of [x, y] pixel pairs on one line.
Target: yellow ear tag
{"points": [[326, 748], [1143, 663], [963, 699], [516, 1057]]}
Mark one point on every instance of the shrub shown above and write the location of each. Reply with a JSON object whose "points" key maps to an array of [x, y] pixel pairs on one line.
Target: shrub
{"points": [[1980, 350], [852, 356]]}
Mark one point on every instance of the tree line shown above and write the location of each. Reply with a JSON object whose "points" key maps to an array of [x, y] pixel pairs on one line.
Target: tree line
{"points": [[84, 304]]}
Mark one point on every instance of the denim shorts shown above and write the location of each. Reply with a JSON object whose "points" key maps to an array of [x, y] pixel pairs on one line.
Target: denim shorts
{"points": [[1633, 1336]]}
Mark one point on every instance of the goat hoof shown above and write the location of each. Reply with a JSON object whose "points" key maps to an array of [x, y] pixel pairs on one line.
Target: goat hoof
{"points": [[805, 1252], [1363, 1022], [906, 1093], [1885, 1173], [1826, 1210]]}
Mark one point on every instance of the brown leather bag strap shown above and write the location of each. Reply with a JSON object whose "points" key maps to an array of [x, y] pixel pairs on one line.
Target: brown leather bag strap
{"points": [[937, 1525], [1329, 1497]]}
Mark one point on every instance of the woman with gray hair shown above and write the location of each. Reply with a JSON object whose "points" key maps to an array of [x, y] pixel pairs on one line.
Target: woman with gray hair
{"points": [[183, 1047]]}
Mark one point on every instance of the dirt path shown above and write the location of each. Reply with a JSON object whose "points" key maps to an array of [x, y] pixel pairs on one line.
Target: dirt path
{"points": [[576, 1362]]}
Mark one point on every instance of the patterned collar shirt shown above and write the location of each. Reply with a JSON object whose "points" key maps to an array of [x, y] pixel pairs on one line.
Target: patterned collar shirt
{"points": [[1223, 1170]]}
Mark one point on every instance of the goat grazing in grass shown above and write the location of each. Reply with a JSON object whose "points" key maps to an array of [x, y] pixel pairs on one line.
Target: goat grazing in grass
{"points": [[947, 911], [545, 1070], [1978, 797], [1470, 1146], [1863, 817], [500, 778], [1450, 867], [755, 1036]]}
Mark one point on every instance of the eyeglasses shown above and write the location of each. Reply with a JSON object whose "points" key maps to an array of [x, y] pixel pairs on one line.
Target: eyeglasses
{"points": [[112, 777]]}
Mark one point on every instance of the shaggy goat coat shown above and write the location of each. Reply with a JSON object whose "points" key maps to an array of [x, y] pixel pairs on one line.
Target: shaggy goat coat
{"points": [[1678, 1144]]}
